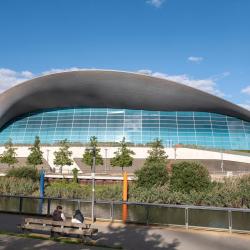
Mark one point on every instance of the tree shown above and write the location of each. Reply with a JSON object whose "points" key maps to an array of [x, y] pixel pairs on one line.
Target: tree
{"points": [[154, 171], [62, 156], [157, 153], [188, 176], [151, 175], [123, 156], [9, 155], [75, 175], [36, 155], [89, 153]]}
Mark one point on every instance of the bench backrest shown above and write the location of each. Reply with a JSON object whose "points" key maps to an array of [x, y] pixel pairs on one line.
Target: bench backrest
{"points": [[54, 223]]}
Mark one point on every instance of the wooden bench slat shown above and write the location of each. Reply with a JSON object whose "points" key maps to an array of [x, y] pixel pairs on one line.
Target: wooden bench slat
{"points": [[69, 224], [56, 223], [37, 227], [37, 221]]}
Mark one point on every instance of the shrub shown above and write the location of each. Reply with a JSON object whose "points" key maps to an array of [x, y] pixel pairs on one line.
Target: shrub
{"points": [[187, 176], [75, 175], [24, 172], [17, 186], [244, 190], [64, 189], [151, 175]]}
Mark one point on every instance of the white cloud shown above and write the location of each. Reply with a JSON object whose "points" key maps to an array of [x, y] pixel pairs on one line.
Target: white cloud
{"points": [[156, 3], [195, 59], [245, 105], [208, 84], [9, 78], [53, 71], [246, 90]]}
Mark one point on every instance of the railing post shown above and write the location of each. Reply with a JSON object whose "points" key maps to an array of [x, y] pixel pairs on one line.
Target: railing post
{"points": [[48, 207], [147, 214], [20, 204], [186, 217], [112, 210], [230, 221]]}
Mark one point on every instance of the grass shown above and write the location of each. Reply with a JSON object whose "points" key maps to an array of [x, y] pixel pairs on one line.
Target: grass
{"points": [[63, 240]]}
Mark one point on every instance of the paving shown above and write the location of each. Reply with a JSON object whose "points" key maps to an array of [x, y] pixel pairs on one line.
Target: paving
{"points": [[130, 237]]}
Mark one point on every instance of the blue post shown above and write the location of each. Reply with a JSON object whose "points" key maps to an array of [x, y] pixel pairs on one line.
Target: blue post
{"points": [[42, 174], [41, 200]]}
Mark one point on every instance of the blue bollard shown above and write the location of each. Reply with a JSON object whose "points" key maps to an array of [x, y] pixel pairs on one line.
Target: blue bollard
{"points": [[41, 200]]}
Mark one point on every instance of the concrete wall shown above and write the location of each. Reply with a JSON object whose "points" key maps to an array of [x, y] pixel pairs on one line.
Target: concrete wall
{"points": [[140, 153]]}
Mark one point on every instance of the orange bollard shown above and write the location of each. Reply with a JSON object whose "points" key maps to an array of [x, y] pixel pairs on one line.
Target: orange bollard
{"points": [[125, 197], [125, 187]]}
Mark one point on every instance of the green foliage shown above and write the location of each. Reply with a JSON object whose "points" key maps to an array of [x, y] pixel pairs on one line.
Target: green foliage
{"points": [[188, 176], [153, 172], [62, 156], [36, 155], [24, 172], [151, 175], [157, 154], [91, 151], [244, 186], [123, 156], [17, 186], [9, 155], [156, 194], [64, 189], [75, 175]]}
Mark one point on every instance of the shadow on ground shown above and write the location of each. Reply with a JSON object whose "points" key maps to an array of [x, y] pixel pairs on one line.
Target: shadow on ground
{"points": [[135, 237], [111, 236]]}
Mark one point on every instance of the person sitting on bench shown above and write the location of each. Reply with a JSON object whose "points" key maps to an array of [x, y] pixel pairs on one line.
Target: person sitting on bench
{"points": [[58, 214], [78, 217]]}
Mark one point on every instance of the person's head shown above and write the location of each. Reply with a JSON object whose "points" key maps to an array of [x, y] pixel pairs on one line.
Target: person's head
{"points": [[77, 211], [59, 208]]}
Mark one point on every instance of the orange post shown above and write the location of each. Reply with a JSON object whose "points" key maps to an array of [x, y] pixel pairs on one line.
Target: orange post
{"points": [[125, 187], [125, 197]]}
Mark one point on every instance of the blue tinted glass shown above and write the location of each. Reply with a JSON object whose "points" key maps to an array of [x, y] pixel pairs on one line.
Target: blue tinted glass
{"points": [[138, 126]]}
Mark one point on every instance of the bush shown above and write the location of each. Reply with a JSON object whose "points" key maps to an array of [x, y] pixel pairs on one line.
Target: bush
{"points": [[64, 189], [151, 175], [244, 190], [156, 194], [187, 176], [24, 172], [17, 186]]}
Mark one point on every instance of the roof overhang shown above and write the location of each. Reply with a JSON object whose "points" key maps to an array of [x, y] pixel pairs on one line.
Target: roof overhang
{"points": [[110, 89]]}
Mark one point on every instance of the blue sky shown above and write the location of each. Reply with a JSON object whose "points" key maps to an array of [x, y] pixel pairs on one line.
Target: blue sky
{"points": [[202, 43]]}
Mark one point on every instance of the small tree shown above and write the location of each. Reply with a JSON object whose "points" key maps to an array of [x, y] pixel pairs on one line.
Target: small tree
{"points": [[123, 156], [9, 155], [75, 175], [36, 155], [157, 153], [89, 153], [187, 176], [62, 156]]}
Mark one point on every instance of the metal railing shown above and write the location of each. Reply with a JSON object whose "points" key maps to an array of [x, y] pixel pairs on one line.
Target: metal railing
{"points": [[188, 216]]}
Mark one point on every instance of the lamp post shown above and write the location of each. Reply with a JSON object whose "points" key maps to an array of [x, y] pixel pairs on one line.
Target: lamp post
{"points": [[106, 159], [222, 162], [93, 186]]}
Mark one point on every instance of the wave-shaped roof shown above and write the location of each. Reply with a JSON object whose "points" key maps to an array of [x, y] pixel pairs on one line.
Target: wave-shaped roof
{"points": [[110, 89]]}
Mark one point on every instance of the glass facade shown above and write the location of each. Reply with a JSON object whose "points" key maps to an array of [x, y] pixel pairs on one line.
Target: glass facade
{"points": [[138, 126]]}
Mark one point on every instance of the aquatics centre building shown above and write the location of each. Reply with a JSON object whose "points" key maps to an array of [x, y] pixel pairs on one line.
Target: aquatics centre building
{"points": [[111, 105]]}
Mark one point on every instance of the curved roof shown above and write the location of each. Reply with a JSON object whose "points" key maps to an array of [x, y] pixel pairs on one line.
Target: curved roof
{"points": [[110, 89]]}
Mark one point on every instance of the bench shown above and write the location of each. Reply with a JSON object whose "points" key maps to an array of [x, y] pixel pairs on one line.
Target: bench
{"points": [[65, 228]]}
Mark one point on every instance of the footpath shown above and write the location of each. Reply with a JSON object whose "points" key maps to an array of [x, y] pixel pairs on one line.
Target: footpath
{"points": [[119, 236]]}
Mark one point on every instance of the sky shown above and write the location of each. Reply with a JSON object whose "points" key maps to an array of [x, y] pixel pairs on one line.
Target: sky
{"points": [[201, 43]]}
